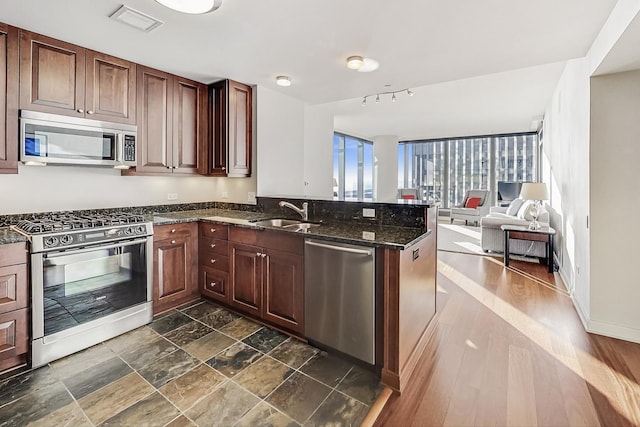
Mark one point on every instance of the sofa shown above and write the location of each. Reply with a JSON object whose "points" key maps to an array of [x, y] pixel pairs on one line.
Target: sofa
{"points": [[517, 213], [474, 214]]}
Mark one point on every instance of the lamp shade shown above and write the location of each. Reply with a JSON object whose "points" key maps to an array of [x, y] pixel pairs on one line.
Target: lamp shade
{"points": [[534, 191]]}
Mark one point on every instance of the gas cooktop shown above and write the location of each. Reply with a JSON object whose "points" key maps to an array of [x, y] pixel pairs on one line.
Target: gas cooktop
{"points": [[61, 222]]}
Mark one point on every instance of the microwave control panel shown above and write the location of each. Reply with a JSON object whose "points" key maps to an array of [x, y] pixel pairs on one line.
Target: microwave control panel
{"points": [[129, 148]]}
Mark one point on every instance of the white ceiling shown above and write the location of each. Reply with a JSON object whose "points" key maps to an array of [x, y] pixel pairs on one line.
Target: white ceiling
{"points": [[417, 42]]}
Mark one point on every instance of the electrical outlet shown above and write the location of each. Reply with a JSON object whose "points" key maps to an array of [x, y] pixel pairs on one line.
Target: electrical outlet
{"points": [[368, 235], [225, 194], [172, 196], [368, 213], [251, 197]]}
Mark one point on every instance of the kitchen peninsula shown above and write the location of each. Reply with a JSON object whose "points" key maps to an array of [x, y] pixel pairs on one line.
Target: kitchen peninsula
{"points": [[403, 237]]}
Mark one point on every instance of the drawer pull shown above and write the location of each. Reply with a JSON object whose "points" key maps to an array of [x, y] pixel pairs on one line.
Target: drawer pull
{"points": [[263, 255], [213, 245], [173, 230], [90, 112], [173, 242], [80, 110], [213, 230], [258, 254], [213, 261]]}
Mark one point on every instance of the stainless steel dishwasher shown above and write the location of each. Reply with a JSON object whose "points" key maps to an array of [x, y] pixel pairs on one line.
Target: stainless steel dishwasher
{"points": [[340, 297]]}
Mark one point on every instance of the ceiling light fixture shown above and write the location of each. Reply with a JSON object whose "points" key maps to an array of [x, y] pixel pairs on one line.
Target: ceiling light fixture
{"points": [[283, 81], [392, 93], [355, 62], [194, 7]]}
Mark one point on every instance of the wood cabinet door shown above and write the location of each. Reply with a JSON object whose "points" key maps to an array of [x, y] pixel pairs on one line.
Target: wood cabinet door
{"points": [[284, 290], [217, 143], [175, 264], [110, 88], [155, 116], [246, 278], [8, 99], [239, 132], [52, 75], [189, 124]]}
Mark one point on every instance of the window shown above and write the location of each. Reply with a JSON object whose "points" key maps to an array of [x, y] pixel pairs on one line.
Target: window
{"points": [[445, 169], [352, 167]]}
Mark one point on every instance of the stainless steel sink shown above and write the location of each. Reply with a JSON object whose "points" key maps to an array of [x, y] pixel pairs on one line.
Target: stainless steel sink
{"points": [[289, 224], [278, 222]]}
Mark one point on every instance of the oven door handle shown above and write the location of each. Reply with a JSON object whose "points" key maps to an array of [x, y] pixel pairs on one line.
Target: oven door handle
{"points": [[85, 249]]}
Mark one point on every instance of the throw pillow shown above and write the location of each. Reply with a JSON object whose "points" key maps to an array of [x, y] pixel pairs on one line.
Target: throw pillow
{"points": [[514, 207], [472, 202], [524, 211]]}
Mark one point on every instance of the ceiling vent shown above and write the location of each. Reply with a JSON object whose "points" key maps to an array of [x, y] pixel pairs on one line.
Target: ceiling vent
{"points": [[136, 19]]}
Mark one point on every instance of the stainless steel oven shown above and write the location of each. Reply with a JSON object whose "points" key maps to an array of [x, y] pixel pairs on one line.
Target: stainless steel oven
{"points": [[88, 285]]}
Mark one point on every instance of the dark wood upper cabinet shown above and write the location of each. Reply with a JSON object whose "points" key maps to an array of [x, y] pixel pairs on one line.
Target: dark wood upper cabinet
{"points": [[110, 88], [229, 149], [171, 122], [62, 78], [8, 99]]}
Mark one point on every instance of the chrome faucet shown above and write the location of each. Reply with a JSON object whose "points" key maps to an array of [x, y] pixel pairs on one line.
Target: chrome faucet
{"points": [[304, 212]]}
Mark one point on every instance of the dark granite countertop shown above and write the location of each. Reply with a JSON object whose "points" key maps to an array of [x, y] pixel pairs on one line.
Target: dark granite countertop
{"points": [[9, 236], [355, 232]]}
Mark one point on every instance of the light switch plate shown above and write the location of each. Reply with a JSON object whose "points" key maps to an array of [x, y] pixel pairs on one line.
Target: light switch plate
{"points": [[368, 213], [225, 194], [172, 196], [251, 197]]}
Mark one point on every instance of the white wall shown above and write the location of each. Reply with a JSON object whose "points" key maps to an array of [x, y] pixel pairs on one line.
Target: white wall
{"points": [[280, 147], [385, 159], [318, 152], [615, 126], [55, 188], [565, 160]]}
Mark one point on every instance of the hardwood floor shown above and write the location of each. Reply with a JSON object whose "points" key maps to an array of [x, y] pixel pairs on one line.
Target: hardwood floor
{"points": [[509, 350]]}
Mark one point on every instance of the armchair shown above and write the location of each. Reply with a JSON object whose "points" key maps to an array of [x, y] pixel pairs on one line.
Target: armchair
{"points": [[472, 213]]}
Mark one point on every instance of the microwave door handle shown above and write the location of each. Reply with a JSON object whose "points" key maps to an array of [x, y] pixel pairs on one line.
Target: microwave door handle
{"points": [[119, 151]]}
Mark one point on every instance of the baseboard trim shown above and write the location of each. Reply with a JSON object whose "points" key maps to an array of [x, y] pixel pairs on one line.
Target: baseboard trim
{"points": [[614, 331]]}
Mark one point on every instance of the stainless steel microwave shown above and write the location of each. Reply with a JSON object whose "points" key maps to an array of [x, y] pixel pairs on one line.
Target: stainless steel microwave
{"points": [[49, 138]]}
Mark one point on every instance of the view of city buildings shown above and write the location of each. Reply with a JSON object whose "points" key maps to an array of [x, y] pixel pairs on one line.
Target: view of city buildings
{"points": [[442, 170]]}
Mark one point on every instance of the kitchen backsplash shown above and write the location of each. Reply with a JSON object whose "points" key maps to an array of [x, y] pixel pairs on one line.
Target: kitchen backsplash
{"points": [[400, 215]]}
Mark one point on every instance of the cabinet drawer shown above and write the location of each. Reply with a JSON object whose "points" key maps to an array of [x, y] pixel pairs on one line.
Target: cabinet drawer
{"points": [[14, 334], [173, 230], [211, 229], [214, 260], [13, 287], [213, 283], [13, 253], [218, 246]]}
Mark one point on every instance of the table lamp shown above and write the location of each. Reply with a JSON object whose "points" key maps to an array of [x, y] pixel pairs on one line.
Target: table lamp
{"points": [[536, 191]]}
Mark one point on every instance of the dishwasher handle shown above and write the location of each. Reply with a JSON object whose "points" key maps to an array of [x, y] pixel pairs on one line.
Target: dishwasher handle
{"points": [[340, 248]]}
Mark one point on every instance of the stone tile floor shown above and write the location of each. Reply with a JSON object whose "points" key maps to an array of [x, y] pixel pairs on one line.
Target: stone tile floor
{"points": [[200, 365]]}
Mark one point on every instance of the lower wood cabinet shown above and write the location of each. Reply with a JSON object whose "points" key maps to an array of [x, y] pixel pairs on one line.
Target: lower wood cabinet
{"points": [[214, 261], [266, 281], [175, 263], [14, 309]]}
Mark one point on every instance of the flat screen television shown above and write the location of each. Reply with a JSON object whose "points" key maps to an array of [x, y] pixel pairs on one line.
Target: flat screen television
{"points": [[509, 190]]}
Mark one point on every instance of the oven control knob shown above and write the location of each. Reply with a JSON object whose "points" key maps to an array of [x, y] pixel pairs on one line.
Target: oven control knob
{"points": [[119, 233], [65, 239], [140, 229], [51, 241], [128, 231]]}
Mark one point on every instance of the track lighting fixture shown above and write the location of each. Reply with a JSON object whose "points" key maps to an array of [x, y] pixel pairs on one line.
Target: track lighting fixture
{"points": [[392, 93]]}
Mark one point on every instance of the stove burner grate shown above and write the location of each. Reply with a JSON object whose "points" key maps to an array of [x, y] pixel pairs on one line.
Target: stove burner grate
{"points": [[65, 221]]}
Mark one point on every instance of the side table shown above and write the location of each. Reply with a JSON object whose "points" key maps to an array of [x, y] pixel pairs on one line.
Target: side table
{"points": [[519, 232]]}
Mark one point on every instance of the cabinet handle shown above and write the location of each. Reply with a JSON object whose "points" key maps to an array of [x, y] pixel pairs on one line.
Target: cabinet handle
{"points": [[173, 242], [258, 254], [80, 110], [90, 112], [213, 230], [263, 255], [173, 230], [168, 167], [213, 261], [213, 245], [212, 284]]}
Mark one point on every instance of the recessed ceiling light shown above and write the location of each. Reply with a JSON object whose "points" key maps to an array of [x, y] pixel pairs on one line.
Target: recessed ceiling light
{"points": [[283, 81], [136, 19], [355, 62], [192, 6]]}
